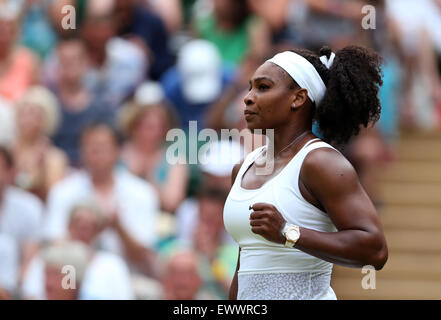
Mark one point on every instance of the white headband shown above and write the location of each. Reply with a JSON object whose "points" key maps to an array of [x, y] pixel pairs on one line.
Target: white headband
{"points": [[304, 73]]}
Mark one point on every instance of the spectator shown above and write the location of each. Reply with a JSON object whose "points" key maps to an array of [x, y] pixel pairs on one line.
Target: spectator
{"points": [[146, 123], [106, 275], [18, 66], [135, 20], [216, 174], [234, 30], [419, 37], [48, 278], [181, 279], [55, 258], [199, 221], [216, 252], [118, 65], [196, 82], [78, 104], [336, 23], [130, 204], [20, 213], [39, 164]]}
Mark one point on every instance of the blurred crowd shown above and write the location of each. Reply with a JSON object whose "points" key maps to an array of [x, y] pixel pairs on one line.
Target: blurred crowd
{"points": [[90, 205]]}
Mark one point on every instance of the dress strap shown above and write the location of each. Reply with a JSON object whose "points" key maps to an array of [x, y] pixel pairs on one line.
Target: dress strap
{"points": [[310, 141]]}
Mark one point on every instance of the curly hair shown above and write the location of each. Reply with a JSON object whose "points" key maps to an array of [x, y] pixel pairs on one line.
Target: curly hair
{"points": [[351, 98]]}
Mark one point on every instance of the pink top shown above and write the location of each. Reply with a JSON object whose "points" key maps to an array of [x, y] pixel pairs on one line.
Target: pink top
{"points": [[19, 76]]}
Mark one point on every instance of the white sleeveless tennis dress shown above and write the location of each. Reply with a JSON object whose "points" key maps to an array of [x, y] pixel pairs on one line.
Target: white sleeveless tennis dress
{"points": [[269, 270]]}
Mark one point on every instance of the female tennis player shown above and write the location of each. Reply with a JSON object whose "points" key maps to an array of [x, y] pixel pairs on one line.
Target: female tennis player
{"points": [[293, 223]]}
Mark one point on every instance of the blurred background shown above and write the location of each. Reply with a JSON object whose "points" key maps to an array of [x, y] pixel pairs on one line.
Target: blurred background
{"points": [[84, 114]]}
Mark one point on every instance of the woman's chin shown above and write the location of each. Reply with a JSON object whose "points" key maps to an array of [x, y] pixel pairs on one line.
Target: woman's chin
{"points": [[255, 128]]}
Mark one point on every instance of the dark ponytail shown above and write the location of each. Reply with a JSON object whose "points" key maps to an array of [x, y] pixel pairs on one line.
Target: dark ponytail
{"points": [[351, 98]]}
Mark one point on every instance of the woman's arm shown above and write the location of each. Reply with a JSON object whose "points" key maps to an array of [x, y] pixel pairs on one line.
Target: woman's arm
{"points": [[173, 192], [329, 181]]}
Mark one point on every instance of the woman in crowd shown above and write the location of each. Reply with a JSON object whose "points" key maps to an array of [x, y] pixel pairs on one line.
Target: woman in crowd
{"points": [[39, 163], [146, 123]]}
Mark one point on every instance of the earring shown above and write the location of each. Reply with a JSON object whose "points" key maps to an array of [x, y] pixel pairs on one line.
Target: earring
{"points": [[293, 106]]}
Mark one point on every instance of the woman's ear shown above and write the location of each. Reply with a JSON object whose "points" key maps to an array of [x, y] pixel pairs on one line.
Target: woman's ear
{"points": [[299, 98]]}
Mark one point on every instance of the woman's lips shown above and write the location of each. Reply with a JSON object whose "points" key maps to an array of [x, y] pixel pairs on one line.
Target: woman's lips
{"points": [[249, 114]]}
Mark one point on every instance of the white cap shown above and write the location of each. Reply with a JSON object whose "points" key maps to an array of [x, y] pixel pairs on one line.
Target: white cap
{"points": [[200, 65], [220, 158]]}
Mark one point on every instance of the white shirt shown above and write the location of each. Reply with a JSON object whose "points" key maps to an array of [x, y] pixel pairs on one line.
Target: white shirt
{"points": [[107, 277], [136, 199], [20, 215]]}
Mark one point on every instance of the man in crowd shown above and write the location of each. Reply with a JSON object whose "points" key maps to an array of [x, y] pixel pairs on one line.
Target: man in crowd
{"points": [[130, 204]]}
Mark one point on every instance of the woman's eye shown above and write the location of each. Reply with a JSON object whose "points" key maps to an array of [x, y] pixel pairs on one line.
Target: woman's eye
{"points": [[263, 87]]}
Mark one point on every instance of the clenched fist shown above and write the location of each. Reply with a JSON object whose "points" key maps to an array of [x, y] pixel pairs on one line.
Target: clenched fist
{"points": [[268, 222]]}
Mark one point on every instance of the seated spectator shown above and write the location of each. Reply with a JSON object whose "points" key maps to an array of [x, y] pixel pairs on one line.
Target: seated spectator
{"points": [[199, 220], [137, 20], [20, 214], [146, 122], [181, 279], [234, 30], [417, 25], [130, 204], [18, 66], [117, 65], [216, 174], [48, 277], [216, 252], [78, 104], [39, 164], [55, 258], [106, 275], [196, 81], [114, 66]]}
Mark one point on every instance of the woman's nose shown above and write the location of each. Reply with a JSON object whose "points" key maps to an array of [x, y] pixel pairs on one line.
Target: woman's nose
{"points": [[249, 98]]}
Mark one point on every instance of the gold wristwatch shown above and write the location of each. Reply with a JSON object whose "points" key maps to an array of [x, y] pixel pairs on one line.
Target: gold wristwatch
{"points": [[292, 233]]}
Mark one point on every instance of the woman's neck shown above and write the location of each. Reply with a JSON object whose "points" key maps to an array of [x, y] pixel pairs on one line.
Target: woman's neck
{"points": [[285, 136]]}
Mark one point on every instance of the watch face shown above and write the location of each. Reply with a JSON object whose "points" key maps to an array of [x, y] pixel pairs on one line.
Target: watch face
{"points": [[292, 234]]}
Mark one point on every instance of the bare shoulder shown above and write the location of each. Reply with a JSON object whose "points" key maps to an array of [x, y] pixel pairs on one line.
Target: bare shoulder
{"points": [[325, 169]]}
